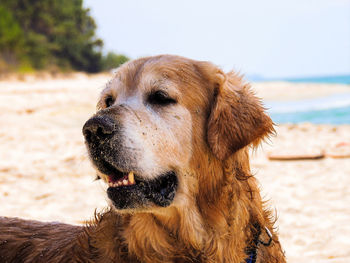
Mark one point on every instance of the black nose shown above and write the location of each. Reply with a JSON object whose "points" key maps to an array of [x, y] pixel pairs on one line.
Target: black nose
{"points": [[98, 128]]}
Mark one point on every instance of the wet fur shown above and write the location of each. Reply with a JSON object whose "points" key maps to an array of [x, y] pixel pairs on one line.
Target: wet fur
{"points": [[221, 210]]}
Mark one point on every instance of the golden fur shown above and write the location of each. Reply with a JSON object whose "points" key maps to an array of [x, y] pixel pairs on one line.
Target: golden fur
{"points": [[217, 213]]}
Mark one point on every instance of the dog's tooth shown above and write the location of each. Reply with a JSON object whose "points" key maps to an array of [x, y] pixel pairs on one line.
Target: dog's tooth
{"points": [[125, 182], [131, 178], [120, 183]]}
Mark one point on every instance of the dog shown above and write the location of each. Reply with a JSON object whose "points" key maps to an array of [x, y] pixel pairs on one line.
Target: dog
{"points": [[170, 138]]}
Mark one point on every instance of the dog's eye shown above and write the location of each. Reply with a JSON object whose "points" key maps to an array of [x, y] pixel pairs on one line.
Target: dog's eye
{"points": [[109, 101], [160, 98]]}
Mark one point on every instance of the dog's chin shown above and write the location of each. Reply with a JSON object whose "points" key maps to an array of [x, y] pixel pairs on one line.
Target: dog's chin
{"points": [[143, 194], [128, 190]]}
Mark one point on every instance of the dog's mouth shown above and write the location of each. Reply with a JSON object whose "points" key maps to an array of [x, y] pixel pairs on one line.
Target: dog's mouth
{"points": [[128, 179], [127, 190], [117, 178]]}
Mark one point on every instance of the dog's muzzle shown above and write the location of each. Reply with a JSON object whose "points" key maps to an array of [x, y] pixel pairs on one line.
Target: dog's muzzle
{"points": [[127, 190]]}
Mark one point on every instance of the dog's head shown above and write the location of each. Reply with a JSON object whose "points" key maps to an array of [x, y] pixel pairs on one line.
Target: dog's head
{"points": [[156, 115]]}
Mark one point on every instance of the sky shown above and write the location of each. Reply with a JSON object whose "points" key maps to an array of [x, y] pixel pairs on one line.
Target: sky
{"points": [[268, 38]]}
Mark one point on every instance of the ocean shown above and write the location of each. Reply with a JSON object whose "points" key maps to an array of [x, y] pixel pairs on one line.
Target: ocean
{"points": [[343, 79], [327, 110]]}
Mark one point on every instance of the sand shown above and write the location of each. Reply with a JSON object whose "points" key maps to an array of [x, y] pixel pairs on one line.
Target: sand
{"points": [[45, 173]]}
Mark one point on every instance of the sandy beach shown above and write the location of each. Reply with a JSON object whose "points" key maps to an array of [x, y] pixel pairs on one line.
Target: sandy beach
{"points": [[45, 173]]}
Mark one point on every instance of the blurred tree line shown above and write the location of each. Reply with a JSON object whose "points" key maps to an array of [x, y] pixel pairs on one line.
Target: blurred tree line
{"points": [[51, 35]]}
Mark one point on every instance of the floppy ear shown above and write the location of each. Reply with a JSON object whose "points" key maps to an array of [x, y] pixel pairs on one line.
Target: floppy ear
{"points": [[237, 117]]}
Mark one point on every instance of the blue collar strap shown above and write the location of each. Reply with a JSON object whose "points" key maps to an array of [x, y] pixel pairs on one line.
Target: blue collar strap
{"points": [[252, 257], [252, 251]]}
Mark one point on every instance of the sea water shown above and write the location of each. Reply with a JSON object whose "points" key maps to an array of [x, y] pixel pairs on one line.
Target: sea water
{"points": [[333, 109], [344, 79], [326, 116]]}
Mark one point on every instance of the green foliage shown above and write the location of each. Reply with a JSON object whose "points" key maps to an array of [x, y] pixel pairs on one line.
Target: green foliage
{"points": [[11, 38], [50, 34], [10, 31], [112, 60]]}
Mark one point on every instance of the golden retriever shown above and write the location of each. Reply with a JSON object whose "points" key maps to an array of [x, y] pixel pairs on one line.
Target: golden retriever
{"points": [[170, 139]]}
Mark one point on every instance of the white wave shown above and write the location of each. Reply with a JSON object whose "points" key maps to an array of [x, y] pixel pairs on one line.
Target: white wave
{"points": [[324, 103]]}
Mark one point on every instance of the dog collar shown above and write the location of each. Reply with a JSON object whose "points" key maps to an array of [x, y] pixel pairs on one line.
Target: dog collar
{"points": [[252, 252]]}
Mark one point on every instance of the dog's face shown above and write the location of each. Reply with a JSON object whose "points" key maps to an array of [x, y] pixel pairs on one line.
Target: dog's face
{"points": [[153, 117]]}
